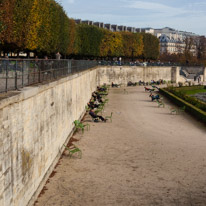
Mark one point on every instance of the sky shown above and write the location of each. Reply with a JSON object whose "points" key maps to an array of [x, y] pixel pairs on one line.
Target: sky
{"points": [[183, 15]]}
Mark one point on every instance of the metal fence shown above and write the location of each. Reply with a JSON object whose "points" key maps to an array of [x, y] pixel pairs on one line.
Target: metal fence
{"points": [[152, 64], [15, 74]]}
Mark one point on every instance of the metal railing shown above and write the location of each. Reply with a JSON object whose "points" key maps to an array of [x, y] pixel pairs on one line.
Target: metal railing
{"points": [[159, 64], [15, 74]]}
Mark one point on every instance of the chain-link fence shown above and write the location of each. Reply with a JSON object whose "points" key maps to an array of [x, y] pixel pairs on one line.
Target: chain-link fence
{"points": [[15, 74]]}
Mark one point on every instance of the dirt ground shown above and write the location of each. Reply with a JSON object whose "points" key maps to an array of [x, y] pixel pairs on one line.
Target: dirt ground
{"points": [[145, 157]]}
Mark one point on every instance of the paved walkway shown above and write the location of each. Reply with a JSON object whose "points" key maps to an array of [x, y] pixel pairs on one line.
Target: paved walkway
{"points": [[146, 156]]}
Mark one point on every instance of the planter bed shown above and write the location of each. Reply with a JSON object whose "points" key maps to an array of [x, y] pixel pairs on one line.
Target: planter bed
{"points": [[196, 112]]}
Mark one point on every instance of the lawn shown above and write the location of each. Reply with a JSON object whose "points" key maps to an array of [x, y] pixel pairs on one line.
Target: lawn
{"points": [[195, 91], [192, 90], [187, 94]]}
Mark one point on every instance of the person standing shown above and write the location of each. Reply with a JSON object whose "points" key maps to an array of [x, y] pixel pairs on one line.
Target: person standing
{"points": [[120, 59], [58, 56]]}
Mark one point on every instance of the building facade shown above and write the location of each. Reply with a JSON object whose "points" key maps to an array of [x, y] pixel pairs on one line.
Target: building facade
{"points": [[173, 41]]}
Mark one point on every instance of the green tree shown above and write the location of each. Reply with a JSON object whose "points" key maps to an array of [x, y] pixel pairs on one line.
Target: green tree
{"points": [[139, 44], [22, 9], [63, 40], [72, 34], [88, 40], [151, 47], [33, 25], [54, 29]]}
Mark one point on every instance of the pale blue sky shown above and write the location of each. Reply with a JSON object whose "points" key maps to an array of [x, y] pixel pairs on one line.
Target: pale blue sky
{"points": [[185, 15]]}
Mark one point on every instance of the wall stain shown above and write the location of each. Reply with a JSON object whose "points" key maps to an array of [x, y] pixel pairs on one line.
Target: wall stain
{"points": [[26, 162]]}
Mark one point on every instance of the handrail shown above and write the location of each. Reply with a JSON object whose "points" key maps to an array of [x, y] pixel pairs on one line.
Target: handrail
{"points": [[18, 73]]}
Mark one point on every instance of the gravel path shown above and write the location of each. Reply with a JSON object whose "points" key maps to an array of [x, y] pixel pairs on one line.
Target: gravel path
{"points": [[146, 156]]}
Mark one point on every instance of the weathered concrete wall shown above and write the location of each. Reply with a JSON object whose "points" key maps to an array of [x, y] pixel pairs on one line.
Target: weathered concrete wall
{"points": [[156, 73], [181, 79], [36, 123], [123, 74], [176, 77], [204, 75], [33, 127]]}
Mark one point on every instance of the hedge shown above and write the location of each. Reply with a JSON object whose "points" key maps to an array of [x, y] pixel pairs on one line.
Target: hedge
{"points": [[197, 113]]}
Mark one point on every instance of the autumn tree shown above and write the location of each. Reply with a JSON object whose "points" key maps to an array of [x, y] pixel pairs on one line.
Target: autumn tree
{"points": [[33, 25], [151, 46], [7, 23], [47, 28], [44, 30], [42, 26], [139, 44], [22, 9], [63, 37], [111, 44], [72, 34], [54, 28], [132, 44]]}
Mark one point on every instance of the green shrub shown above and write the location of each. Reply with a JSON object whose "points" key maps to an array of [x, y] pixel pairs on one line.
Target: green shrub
{"points": [[194, 110], [192, 100]]}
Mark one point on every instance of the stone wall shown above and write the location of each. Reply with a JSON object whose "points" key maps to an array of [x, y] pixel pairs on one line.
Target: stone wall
{"points": [[204, 75], [33, 127], [123, 74], [36, 122]]}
